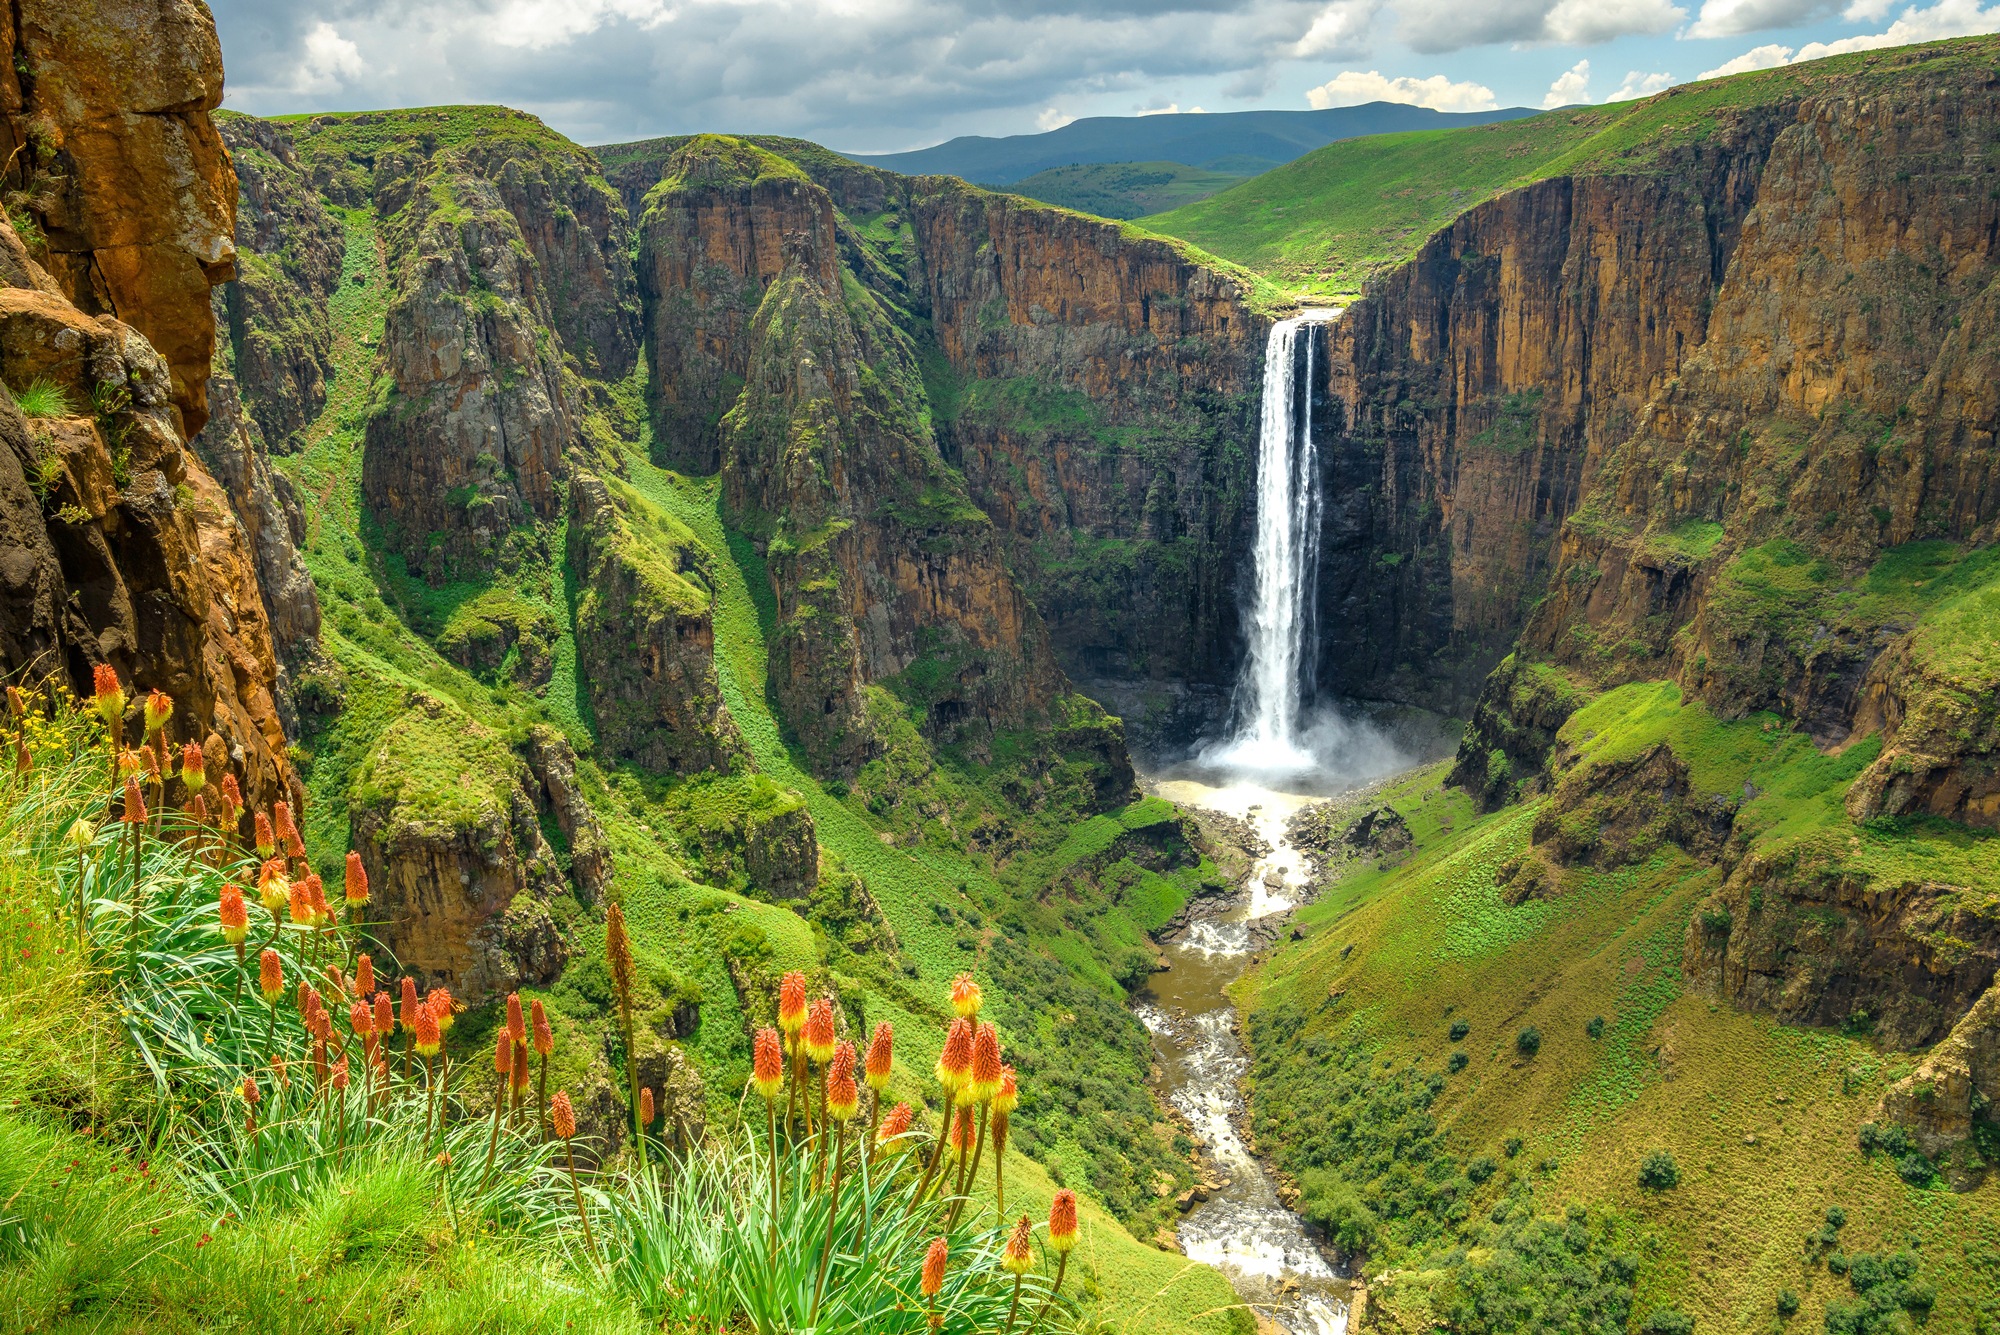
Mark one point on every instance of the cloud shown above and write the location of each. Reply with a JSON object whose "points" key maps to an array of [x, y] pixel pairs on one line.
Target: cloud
{"points": [[1640, 84], [1339, 31], [1171, 109], [329, 61], [1452, 25], [1353, 87], [1571, 86], [1732, 18], [1051, 119], [1946, 18]]}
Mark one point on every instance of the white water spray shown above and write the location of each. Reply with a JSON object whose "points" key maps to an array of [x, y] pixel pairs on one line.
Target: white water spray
{"points": [[1272, 695]]}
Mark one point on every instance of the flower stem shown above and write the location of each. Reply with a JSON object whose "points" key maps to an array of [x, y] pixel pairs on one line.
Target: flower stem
{"points": [[832, 1213], [576, 1191]]}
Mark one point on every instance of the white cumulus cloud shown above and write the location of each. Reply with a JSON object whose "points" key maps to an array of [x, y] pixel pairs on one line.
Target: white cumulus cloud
{"points": [[1453, 25], [1571, 86], [1733, 18], [1946, 18], [330, 61], [1639, 84], [1351, 88]]}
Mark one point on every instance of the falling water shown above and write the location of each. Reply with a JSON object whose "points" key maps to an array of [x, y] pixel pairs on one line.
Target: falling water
{"points": [[1273, 692]]}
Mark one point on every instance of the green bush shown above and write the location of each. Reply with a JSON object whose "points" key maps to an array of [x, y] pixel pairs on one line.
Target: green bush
{"points": [[1456, 1063], [1788, 1302], [1512, 1147], [1668, 1321], [1658, 1172], [1595, 1028], [1481, 1168], [1459, 1029], [1528, 1041]]}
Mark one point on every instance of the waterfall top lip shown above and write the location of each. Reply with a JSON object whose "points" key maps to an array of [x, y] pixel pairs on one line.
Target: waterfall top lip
{"points": [[1315, 315]]}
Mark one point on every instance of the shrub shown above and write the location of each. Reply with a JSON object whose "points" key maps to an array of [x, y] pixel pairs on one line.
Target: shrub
{"points": [[1658, 1172], [1512, 1147], [1788, 1302], [1459, 1029], [1668, 1321], [1456, 1063], [43, 398], [1595, 1028], [1481, 1168], [1528, 1041]]}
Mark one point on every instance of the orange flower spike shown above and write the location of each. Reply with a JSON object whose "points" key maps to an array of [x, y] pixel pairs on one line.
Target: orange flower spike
{"points": [[792, 1004], [361, 1019], [194, 768], [234, 914], [356, 889], [443, 1008], [429, 1039], [385, 1016], [880, 1056], [110, 696], [322, 912], [340, 1076], [985, 1080], [407, 1012], [149, 761], [159, 708], [1008, 1096], [135, 804], [197, 810], [520, 1069], [1019, 1258], [272, 887], [965, 997], [251, 1094], [364, 977], [767, 1067], [270, 976], [302, 904], [1062, 1221], [954, 1063], [961, 1130], [819, 1037], [562, 1114], [934, 1260], [517, 1027], [843, 1100], [281, 821], [646, 1106], [545, 1039], [503, 1055], [129, 764], [232, 801], [266, 842], [895, 1123]]}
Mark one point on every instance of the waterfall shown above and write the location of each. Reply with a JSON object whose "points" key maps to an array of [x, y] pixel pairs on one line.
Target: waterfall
{"points": [[1275, 686]]}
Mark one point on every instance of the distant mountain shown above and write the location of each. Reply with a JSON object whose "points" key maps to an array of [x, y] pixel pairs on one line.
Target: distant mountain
{"points": [[1240, 143], [1128, 189]]}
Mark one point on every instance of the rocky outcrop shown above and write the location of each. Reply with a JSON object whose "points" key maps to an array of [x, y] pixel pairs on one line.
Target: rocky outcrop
{"points": [[553, 762], [116, 545], [460, 877], [288, 261], [471, 442], [1939, 707], [645, 641], [1954, 1093], [111, 152]]}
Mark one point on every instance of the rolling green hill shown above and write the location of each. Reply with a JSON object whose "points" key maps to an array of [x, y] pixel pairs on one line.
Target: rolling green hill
{"points": [[1324, 224], [1126, 189]]}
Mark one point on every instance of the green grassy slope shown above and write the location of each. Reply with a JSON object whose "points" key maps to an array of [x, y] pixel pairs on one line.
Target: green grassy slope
{"points": [[380, 632], [1124, 189], [1439, 1149], [1324, 224]]}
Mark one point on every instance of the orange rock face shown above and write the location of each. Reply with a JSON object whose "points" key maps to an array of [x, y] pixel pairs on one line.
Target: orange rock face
{"points": [[106, 112]]}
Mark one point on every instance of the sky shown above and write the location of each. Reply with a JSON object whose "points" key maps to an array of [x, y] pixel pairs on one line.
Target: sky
{"points": [[889, 75]]}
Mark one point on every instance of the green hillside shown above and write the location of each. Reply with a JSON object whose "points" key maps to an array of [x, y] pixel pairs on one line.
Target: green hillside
{"points": [[1325, 224], [1124, 189]]}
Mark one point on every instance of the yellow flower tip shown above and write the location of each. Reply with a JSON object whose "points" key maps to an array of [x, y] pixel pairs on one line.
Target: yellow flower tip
{"points": [[159, 708], [880, 1057], [443, 1009], [194, 768], [110, 696], [843, 1100], [1008, 1096], [233, 914], [965, 997], [429, 1039], [984, 1081], [270, 976], [1062, 1220]]}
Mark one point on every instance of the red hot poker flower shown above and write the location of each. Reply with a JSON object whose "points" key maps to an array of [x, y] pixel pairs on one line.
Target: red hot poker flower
{"points": [[962, 1132], [517, 1028], [562, 1114], [965, 998], [232, 801], [819, 1037], [767, 1071], [442, 1007], [520, 1076], [843, 1100], [880, 1056], [503, 1054], [1062, 1220], [361, 1019], [270, 977], [429, 1040], [135, 803], [364, 976], [1020, 1255], [545, 1039], [646, 1106], [266, 842], [894, 1124], [159, 708], [407, 1012], [1008, 1096], [934, 1260], [792, 1003], [385, 1018], [234, 914], [357, 880], [985, 1080], [954, 1063], [110, 695], [194, 768]]}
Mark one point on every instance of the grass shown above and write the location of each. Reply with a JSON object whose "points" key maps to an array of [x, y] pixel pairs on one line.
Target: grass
{"points": [[43, 398], [1320, 227], [1760, 1118], [1124, 189]]}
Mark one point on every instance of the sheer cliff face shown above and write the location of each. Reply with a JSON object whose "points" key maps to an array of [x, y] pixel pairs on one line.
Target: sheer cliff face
{"points": [[133, 199], [116, 543], [937, 404]]}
